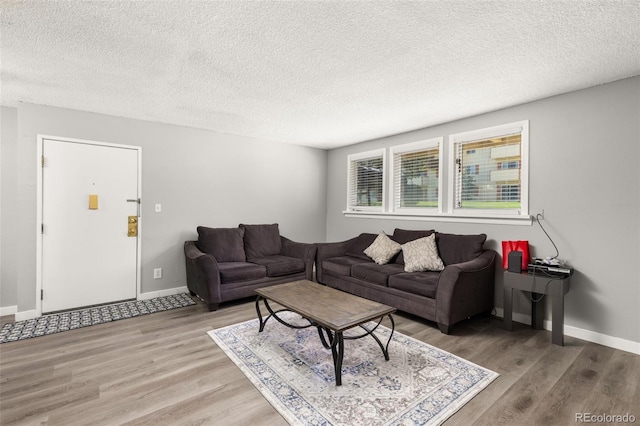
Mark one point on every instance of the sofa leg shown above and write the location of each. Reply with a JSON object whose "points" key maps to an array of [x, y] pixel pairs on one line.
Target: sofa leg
{"points": [[192, 293], [213, 306], [446, 329]]}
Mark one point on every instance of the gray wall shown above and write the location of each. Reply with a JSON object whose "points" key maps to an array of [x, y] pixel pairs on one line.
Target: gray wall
{"points": [[584, 173], [8, 214], [200, 178]]}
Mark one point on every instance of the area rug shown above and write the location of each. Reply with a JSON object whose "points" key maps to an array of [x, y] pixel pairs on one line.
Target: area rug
{"points": [[55, 323], [419, 385]]}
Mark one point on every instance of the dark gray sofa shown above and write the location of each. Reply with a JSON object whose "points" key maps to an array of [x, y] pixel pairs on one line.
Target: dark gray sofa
{"points": [[462, 289], [230, 263]]}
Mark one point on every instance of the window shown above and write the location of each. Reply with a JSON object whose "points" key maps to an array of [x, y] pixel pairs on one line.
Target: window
{"points": [[479, 176], [509, 165], [472, 170], [510, 192], [416, 175], [366, 181], [490, 170]]}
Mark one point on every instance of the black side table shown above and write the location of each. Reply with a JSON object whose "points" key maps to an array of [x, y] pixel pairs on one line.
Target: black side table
{"points": [[538, 285]]}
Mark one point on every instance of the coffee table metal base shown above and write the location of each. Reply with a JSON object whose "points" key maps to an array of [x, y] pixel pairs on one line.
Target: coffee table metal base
{"points": [[331, 339]]}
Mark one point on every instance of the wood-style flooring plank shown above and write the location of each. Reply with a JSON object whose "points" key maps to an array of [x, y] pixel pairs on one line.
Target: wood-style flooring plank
{"points": [[567, 397], [163, 369], [614, 392], [532, 383]]}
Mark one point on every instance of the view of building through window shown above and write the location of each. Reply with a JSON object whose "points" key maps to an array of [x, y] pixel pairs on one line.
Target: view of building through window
{"points": [[488, 173]]}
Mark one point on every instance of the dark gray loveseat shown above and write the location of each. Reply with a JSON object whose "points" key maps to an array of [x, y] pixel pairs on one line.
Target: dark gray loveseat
{"points": [[230, 263], [463, 288]]}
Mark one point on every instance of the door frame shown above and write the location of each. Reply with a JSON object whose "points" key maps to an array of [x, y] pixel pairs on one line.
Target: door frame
{"points": [[39, 208]]}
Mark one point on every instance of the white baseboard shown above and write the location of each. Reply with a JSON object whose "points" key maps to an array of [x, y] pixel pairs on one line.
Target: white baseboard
{"points": [[161, 293], [580, 333], [603, 339], [8, 310], [27, 315]]}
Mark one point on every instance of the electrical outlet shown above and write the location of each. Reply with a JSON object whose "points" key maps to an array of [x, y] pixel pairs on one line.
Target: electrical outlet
{"points": [[540, 215], [157, 273], [158, 208]]}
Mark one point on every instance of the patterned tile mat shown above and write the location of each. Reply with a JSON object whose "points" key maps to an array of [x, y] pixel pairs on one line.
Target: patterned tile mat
{"points": [[55, 323]]}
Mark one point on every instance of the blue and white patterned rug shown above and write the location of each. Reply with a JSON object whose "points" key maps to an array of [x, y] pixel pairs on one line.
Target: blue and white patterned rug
{"points": [[419, 385], [55, 323]]}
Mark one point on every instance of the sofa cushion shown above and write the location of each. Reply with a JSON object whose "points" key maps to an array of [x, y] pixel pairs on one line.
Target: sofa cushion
{"points": [[422, 255], [357, 247], [383, 249], [421, 283], [374, 273], [231, 272], [261, 240], [405, 235], [225, 244], [280, 265], [402, 236], [459, 248], [341, 266]]}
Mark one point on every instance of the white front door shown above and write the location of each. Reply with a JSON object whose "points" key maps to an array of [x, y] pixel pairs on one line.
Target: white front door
{"points": [[89, 196]]}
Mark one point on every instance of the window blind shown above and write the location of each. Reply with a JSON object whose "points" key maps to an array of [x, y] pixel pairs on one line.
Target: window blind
{"points": [[488, 172], [366, 182], [416, 178]]}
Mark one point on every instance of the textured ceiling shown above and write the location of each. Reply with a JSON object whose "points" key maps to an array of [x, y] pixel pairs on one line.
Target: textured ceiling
{"points": [[315, 73]]}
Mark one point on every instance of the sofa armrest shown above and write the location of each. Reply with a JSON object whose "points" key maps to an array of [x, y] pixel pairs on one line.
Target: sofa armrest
{"points": [[203, 276], [329, 250], [304, 251], [466, 289]]}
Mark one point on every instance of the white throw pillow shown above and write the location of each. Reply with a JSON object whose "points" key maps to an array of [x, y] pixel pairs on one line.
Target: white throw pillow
{"points": [[382, 249], [422, 255]]}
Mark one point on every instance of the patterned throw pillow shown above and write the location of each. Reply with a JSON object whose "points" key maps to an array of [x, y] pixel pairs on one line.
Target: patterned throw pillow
{"points": [[422, 255], [382, 249]]}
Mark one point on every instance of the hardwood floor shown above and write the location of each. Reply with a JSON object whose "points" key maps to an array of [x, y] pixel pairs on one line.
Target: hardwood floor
{"points": [[163, 369]]}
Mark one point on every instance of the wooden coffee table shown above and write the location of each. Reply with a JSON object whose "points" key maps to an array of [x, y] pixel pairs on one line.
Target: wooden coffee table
{"points": [[331, 311]]}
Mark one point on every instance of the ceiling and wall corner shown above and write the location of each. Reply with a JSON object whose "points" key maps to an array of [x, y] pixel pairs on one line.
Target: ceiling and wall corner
{"points": [[320, 74]]}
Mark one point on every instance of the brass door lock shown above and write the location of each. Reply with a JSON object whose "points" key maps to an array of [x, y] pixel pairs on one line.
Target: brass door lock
{"points": [[132, 226]]}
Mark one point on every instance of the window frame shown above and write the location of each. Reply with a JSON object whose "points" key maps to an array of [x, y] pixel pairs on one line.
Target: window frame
{"points": [[521, 127], [446, 211], [393, 175], [381, 152]]}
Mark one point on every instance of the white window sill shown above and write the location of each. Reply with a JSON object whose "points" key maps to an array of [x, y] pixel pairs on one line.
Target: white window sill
{"points": [[522, 220]]}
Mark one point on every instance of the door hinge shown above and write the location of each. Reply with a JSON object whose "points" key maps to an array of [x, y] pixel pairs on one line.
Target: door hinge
{"points": [[42, 161], [41, 294], [42, 229]]}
